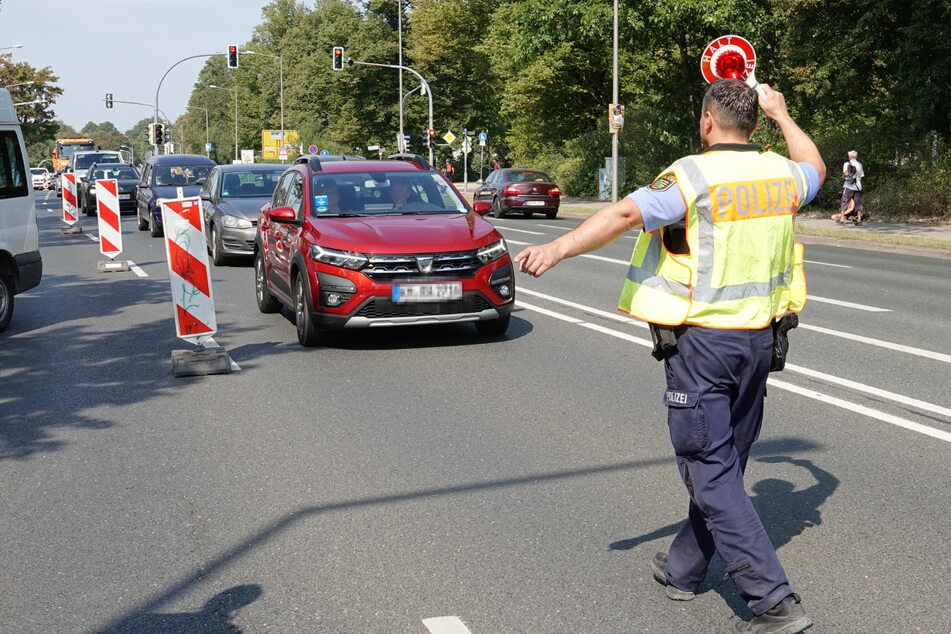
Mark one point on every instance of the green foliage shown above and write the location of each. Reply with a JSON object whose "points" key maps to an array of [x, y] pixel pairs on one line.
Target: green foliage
{"points": [[27, 84]]}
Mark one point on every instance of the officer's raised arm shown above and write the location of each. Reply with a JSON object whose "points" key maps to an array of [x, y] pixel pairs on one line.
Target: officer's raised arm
{"points": [[604, 227], [801, 147]]}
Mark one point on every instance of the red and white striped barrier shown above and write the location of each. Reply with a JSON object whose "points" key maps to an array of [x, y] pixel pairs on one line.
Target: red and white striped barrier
{"points": [[107, 208], [70, 216], [188, 269]]}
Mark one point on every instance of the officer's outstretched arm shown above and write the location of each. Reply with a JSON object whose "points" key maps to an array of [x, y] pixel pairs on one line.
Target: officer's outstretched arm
{"points": [[601, 229], [801, 147]]}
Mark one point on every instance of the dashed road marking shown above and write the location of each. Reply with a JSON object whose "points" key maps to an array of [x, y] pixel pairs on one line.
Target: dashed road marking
{"points": [[446, 625]]}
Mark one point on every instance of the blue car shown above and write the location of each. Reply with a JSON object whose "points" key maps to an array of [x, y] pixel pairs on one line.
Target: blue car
{"points": [[167, 177]]}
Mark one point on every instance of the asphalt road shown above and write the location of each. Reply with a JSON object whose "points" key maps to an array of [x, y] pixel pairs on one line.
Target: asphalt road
{"points": [[429, 480]]}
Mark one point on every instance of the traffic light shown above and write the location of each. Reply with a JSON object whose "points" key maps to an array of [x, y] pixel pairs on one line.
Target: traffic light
{"points": [[151, 134], [431, 138], [159, 134], [108, 100], [338, 58], [232, 57]]}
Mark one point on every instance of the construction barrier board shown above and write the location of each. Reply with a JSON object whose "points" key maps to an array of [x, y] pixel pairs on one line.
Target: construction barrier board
{"points": [[107, 208], [70, 216], [188, 270]]}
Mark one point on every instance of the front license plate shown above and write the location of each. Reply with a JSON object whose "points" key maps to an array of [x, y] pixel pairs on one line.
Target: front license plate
{"points": [[534, 203], [125, 196], [427, 292]]}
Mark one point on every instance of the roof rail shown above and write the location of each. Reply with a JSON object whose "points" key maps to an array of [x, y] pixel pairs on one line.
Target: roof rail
{"points": [[412, 158], [312, 161]]}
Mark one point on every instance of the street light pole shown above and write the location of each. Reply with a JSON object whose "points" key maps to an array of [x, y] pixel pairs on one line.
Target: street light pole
{"points": [[159, 87], [429, 92], [235, 91], [399, 21], [614, 134]]}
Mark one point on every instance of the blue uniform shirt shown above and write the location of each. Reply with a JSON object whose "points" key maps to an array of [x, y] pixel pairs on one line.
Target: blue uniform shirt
{"points": [[661, 208]]}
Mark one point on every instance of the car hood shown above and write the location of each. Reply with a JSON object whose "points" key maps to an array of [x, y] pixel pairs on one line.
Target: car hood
{"points": [[399, 234], [124, 183], [243, 207], [171, 191]]}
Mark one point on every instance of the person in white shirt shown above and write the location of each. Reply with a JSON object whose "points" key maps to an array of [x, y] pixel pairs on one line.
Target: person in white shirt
{"points": [[852, 207]]}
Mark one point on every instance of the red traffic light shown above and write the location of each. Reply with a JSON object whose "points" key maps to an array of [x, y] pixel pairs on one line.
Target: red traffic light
{"points": [[338, 58]]}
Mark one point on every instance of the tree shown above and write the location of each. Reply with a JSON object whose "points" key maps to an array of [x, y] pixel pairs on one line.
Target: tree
{"points": [[27, 84]]}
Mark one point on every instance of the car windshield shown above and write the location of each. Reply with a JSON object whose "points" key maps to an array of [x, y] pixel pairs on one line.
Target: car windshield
{"points": [[38, 172], [529, 176], [250, 184], [173, 175], [119, 171], [381, 193], [83, 161]]}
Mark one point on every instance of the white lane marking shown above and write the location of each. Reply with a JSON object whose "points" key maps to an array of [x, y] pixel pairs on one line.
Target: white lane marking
{"points": [[841, 266], [861, 387], [135, 269], [211, 343], [587, 309], [446, 625], [839, 302], [604, 259], [831, 400], [861, 409], [928, 354], [554, 227], [93, 237], [534, 233], [521, 244]]}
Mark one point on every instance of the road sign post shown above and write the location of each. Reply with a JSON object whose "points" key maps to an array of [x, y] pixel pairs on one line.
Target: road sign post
{"points": [[70, 216], [110, 228], [190, 279]]}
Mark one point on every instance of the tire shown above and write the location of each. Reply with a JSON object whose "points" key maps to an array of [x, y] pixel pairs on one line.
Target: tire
{"points": [[217, 256], [142, 223], [496, 208], [527, 214], [267, 303], [307, 332], [6, 299], [494, 328], [154, 230], [551, 215]]}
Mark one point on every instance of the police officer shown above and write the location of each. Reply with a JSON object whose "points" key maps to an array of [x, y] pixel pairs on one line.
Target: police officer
{"points": [[714, 265]]}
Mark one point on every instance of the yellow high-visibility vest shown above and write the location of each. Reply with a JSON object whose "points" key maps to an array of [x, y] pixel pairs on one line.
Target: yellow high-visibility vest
{"points": [[742, 267]]}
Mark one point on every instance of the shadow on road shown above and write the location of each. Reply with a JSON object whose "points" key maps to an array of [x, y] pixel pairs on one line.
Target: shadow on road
{"points": [[214, 616]]}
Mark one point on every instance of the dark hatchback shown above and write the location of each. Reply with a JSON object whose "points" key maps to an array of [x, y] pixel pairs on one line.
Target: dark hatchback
{"points": [[231, 198], [523, 191], [127, 178], [166, 177]]}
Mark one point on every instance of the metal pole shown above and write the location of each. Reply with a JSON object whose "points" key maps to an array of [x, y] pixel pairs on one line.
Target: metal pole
{"points": [[159, 87], [207, 138], [283, 133], [614, 135], [236, 123], [399, 21]]}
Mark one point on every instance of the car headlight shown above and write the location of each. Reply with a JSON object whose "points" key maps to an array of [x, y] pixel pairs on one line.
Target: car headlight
{"points": [[343, 259], [235, 222], [492, 252]]}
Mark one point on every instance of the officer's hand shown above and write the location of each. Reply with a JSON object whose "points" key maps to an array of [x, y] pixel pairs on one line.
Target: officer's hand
{"points": [[772, 103], [535, 260]]}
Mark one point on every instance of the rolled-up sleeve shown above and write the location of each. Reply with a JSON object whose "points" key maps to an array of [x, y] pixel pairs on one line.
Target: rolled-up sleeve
{"points": [[659, 208]]}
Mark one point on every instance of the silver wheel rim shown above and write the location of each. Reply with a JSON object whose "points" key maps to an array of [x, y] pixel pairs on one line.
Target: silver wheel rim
{"points": [[259, 278], [299, 305], [214, 243]]}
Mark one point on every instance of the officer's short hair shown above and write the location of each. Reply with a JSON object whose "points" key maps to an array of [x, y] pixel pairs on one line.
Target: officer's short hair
{"points": [[734, 105]]}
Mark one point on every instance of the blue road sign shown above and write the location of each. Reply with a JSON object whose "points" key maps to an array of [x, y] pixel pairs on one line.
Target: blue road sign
{"points": [[208, 147], [483, 136], [324, 152], [312, 149]]}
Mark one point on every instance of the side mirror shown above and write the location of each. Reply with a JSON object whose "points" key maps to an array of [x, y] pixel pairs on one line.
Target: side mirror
{"points": [[284, 214], [204, 195], [200, 181], [481, 207]]}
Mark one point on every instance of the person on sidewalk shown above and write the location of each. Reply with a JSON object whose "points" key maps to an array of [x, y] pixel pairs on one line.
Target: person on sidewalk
{"points": [[852, 175], [712, 288]]}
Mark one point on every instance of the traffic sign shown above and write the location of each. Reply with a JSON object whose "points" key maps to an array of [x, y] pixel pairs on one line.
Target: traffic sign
{"points": [[324, 153], [482, 138], [312, 149], [449, 137], [208, 147], [107, 208], [282, 153], [729, 57], [188, 270]]}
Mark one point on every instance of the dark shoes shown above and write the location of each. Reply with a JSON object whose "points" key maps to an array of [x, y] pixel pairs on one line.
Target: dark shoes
{"points": [[657, 567], [786, 618]]}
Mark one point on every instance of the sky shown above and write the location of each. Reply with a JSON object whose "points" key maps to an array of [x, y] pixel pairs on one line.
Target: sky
{"points": [[123, 47]]}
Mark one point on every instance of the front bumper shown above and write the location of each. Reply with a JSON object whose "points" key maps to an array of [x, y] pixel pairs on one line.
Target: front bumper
{"points": [[237, 241]]}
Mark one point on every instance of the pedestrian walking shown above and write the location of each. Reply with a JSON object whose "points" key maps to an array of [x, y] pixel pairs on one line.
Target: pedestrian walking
{"points": [[448, 170], [714, 268], [495, 165], [852, 205]]}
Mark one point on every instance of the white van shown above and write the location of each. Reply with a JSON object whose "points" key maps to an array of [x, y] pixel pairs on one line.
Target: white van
{"points": [[21, 266]]}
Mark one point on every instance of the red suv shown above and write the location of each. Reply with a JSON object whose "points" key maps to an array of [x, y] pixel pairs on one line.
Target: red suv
{"points": [[358, 243]]}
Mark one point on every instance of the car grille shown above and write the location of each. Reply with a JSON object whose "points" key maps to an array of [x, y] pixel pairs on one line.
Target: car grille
{"points": [[378, 307], [393, 268]]}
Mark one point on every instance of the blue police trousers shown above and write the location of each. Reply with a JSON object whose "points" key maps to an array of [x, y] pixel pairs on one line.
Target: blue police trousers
{"points": [[716, 384]]}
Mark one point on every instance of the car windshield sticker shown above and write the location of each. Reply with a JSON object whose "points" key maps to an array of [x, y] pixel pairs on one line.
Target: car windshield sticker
{"points": [[663, 182], [321, 203]]}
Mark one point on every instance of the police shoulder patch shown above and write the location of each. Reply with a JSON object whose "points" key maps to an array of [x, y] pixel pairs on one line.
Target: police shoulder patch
{"points": [[663, 182]]}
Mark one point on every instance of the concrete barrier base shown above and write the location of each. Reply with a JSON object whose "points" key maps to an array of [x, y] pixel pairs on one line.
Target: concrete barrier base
{"points": [[112, 266], [200, 361]]}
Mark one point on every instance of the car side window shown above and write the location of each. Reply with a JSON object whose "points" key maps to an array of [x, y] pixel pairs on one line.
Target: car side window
{"points": [[13, 182], [295, 194], [210, 185], [280, 192], [146, 175]]}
